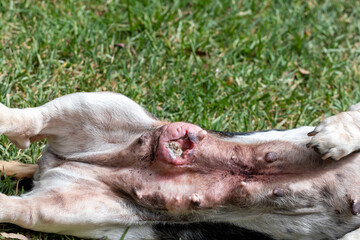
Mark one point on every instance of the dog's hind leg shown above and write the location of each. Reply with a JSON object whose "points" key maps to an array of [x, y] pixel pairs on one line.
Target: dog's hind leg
{"points": [[93, 215], [78, 124], [19, 170]]}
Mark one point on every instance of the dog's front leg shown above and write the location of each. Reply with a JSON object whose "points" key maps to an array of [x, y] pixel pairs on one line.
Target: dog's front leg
{"points": [[82, 123], [339, 135], [19, 125]]}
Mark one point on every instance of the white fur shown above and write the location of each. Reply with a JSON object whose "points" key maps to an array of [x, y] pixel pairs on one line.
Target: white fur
{"points": [[297, 135], [91, 123]]}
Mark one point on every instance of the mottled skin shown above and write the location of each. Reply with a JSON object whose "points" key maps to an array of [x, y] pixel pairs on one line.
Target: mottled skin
{"points": [[110, 164], [237, 177]]}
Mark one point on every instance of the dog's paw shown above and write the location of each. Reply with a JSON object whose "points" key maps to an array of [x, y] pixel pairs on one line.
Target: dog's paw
{"points": [[337, 136]]}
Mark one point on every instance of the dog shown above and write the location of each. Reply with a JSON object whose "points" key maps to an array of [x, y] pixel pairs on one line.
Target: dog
{"points": [[112, 170]]}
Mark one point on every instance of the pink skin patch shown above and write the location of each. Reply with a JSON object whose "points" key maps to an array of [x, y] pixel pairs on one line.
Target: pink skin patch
{"points": [[177, 143]]}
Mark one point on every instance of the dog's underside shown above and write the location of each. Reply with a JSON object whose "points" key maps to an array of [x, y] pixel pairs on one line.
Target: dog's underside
{"points": [[110, 166]]}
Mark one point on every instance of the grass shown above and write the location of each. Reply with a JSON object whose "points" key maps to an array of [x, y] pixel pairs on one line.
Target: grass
{"points": [[224, 65]]}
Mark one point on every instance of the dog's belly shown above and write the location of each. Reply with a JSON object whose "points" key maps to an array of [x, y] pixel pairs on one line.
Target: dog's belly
{"points": [[279, 188]]}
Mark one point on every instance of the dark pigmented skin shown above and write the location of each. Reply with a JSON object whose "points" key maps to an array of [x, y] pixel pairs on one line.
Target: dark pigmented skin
{"points": [[278, 192], [205, 231], [271, 157], [355, 209]]}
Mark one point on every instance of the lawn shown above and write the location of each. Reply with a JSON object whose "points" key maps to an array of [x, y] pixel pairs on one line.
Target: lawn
{"points": [[224, 65]]}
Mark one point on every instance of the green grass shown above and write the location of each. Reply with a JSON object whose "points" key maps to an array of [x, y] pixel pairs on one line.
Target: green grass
{"points": [[224, 65]]}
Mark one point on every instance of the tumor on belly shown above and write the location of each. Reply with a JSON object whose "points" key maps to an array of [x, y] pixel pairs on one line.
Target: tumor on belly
{"points": [[174, 149]]}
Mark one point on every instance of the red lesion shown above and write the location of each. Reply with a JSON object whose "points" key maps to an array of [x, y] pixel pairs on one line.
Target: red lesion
{"points": [[180, 149], [186, 144]]}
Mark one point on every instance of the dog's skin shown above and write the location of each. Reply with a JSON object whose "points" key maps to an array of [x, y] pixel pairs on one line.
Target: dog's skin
{"points": [[109, 165]]}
